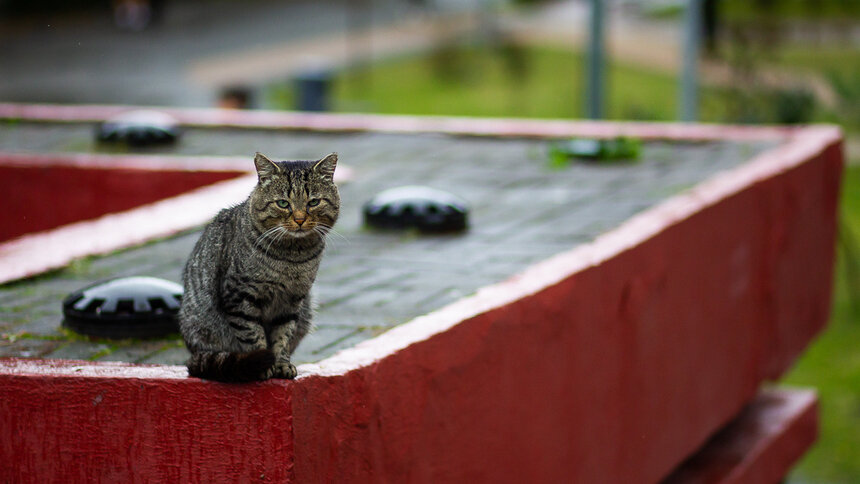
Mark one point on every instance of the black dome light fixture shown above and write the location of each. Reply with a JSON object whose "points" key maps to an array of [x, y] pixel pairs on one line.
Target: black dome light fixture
{"points": [[139, 128], [417, 207], [127, 307]]}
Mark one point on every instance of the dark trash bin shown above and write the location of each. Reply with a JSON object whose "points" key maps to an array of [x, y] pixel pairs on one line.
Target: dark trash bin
{"points": [[313, 90]]}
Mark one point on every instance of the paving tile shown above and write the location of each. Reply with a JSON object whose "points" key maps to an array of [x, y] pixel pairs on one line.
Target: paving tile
{"points": [[137, 351], [28, 348], [326, 341], [78, 350], [174, 355]]}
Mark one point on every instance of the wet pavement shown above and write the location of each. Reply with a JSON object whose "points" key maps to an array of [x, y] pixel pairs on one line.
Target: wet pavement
{"points": [[523, 211]]}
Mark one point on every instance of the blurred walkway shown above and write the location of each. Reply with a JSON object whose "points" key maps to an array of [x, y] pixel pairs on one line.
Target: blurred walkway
{"points": [[281, 61], [84, 58]]}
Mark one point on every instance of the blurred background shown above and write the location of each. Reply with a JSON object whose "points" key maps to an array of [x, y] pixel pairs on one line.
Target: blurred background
{"points": [[724, 61]]}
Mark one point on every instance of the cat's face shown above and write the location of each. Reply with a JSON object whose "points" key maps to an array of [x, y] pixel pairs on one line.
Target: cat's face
{"points": [[295, 198]]}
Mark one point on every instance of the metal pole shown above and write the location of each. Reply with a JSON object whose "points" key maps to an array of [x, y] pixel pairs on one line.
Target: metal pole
{"points": [[595, 83], [689, 105]]}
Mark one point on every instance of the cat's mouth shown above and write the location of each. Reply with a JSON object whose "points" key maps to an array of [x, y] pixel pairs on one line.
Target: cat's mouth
{"points": [[300, 231]]}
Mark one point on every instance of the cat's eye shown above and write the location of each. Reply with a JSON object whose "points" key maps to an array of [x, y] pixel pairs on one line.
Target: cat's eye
{"points": [[314, 202], [283, 203]]}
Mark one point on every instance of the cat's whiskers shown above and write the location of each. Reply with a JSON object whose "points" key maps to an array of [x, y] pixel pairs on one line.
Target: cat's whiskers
{"points": [[283, 234], [323, 230], [280, 232], [268, 233], [322, 233], [328, 229]]}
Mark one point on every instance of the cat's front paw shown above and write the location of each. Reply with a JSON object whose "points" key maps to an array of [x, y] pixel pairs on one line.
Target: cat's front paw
{"points": [[282, 370]]}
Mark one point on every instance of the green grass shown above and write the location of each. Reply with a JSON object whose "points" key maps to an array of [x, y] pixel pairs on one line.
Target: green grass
{"points": [[465, 82], [477, 82], [832, 363]]}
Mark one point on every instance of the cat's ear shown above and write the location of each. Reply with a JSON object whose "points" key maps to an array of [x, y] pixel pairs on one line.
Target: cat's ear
{"points": [[266, 168], [326, 166]]}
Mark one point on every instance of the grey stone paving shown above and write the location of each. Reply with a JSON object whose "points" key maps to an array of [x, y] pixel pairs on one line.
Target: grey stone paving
{"points": [[522, 212]]}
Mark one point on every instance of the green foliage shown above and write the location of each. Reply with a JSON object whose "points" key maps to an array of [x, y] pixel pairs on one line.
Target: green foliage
{"points": [[792, 106], [761, 105], [840, 67], [745, 10]]}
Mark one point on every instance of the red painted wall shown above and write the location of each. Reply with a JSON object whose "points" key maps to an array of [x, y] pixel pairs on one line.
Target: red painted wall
{"points": [[36, 198], [614, 374], [129, 430]]}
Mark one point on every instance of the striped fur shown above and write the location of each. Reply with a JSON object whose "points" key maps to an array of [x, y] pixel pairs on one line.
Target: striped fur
{"points": [[231, 367], [247, 302]]}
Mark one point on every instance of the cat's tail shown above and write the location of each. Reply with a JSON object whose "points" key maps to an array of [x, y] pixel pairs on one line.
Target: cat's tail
{"points": [[230, 367]]}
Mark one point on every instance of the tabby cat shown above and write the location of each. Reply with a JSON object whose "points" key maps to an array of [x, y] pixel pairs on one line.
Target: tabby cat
{"points": [[247, 300]]}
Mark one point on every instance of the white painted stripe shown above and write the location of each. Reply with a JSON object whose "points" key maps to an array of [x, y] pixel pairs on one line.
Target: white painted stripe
{"points": [[36, 253], [261, 119]]}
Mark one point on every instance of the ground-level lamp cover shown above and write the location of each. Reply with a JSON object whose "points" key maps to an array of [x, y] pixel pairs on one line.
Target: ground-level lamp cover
{"points": [[127, 307], [417, 207], [620, 149], [139, 128]]}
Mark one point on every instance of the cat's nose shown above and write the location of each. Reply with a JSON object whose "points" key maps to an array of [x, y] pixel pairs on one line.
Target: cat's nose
{"points": [[299, 217]]}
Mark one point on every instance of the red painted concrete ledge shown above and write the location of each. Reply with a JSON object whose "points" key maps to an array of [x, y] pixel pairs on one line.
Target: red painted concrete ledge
{"points": [[612, 362], [759, 445]]}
